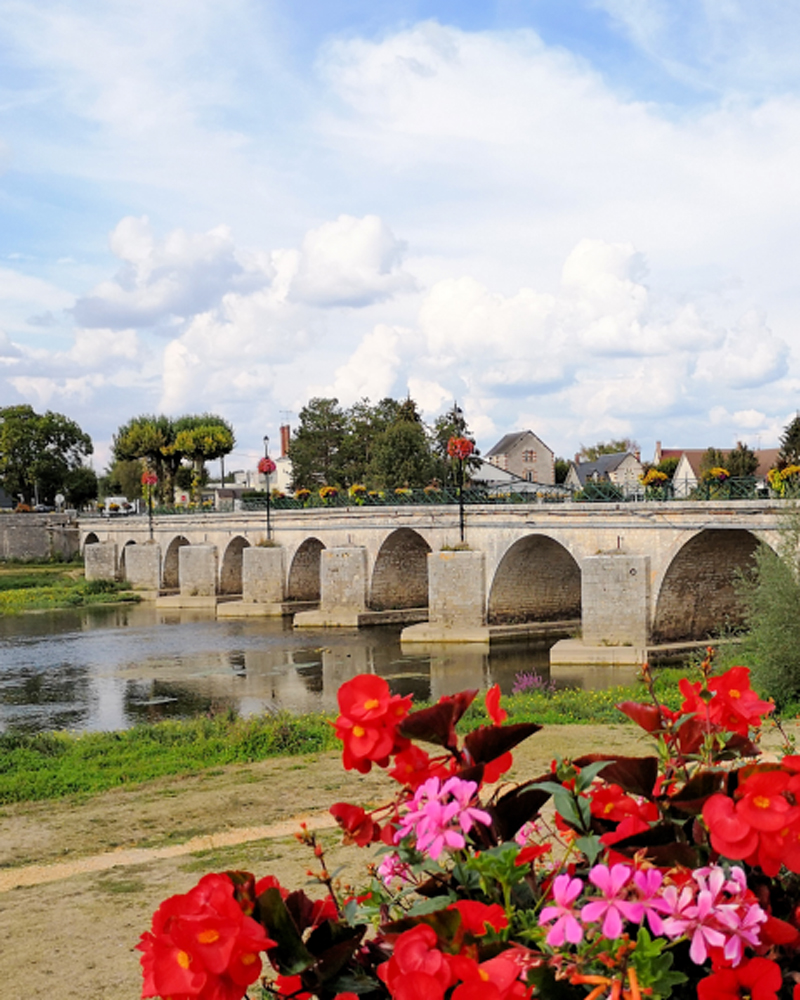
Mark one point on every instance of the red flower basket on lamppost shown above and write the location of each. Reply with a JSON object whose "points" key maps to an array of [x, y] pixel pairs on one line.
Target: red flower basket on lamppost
{"points": [[149, 481], [460, 448], [266, 467]]}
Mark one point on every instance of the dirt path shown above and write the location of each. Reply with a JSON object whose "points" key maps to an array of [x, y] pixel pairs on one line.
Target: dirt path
{"points": [[79, 880]]}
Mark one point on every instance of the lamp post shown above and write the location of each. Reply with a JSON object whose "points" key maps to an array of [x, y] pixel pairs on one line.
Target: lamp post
{"points": [[266, 467], [460, 448], [149, 480]]}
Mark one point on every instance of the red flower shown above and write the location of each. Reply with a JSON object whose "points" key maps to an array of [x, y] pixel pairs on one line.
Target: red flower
{"points": [[736, 707], [202, 945], [358, 825], [149, 479], [497, 714], [417, 969], [266, 466], [477, 917], [759, 979], [368, 722], [413, 767], [460, 448]]}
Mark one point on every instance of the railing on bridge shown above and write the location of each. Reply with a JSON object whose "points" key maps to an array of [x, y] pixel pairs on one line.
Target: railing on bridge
{"points": [[744, 488]]}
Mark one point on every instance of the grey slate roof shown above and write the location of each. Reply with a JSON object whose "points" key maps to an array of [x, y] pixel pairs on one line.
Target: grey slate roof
{"points": [[600, 468]]}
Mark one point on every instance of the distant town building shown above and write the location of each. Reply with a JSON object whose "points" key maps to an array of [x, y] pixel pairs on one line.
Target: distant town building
{"points": [[524, 455], [622, 468]]}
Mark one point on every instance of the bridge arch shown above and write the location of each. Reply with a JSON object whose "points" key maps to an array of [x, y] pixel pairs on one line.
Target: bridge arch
{"points": [[538, 579], [697, 595], [91, 539], [304, 573], [230, 573], [122, 565], [400, 574], [170, 574]]}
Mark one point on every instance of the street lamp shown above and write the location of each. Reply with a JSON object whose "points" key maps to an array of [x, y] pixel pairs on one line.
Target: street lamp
{"points": [[266, 467], [149, 480], [460, 448]]}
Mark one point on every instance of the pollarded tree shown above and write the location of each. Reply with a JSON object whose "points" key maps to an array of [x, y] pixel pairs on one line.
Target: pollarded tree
{"points": [[152, 438], [590, 453], [38, 452], [202, 439]]}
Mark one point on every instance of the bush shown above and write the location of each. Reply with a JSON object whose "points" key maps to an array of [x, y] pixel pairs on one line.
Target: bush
{"points": [[771, 596]]}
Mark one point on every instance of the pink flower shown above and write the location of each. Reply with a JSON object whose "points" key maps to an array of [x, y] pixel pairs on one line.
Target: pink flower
{"points": [[612, 909], [648, 884], [567, 927], [440, 815]]}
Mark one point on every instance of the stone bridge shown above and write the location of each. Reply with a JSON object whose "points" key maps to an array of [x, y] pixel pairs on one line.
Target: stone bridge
{"points": [[633, 573]]}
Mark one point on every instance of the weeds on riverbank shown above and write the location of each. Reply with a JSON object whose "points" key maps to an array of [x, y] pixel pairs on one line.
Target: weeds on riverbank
{"points": [[37, 587], [53, 765]]}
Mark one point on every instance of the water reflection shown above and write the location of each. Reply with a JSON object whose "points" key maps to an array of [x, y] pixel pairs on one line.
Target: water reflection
{"points": [[108, 668]]}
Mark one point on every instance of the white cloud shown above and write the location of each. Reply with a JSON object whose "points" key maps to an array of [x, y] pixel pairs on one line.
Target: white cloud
{"points": [[370, 371], [349, 262], [95, 348], [751, 356], [178, 276]]}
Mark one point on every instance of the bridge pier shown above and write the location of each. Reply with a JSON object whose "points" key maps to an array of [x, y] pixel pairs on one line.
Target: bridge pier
{"points": [[263, 584], [197, 578], [101, 561], [615, 620], [344, 579], [143, 566], [456, 599]]}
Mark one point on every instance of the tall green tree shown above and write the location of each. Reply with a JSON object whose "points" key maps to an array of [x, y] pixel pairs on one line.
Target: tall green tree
{"points": [[38, 452], [789, 453], [742, 461], [364, 424], [403, 454], [316, 446], [712, 458]]}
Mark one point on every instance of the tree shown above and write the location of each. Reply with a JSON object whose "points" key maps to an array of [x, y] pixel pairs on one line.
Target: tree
{"points": [[403, 456], [123, 478], [789, 453], [742, 461], [364, 424], [202, 439], [712, 458], [561, 468], [152, 438], [80, 486], [38, 452], [316, 445], [592, 452]]}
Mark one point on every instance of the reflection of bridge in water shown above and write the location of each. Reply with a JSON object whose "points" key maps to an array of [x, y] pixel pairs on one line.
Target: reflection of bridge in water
{"points": [[633, 574]]}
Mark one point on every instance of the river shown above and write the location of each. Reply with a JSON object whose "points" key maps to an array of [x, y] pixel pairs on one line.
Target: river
{"points": [[111, 667]]}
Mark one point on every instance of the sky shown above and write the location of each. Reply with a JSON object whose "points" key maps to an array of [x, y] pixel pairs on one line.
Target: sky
{"points": [[578, 217]]}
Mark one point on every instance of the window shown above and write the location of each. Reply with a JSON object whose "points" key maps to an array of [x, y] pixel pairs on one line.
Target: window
{"points": [[529, 457]]}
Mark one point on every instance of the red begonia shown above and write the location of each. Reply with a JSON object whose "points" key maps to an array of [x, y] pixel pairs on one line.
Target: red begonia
{"points": [[758, 979]]}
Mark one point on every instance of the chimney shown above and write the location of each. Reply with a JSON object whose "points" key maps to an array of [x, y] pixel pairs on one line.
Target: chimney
{"points": [[657, 456], [285, 434], [577, 457]]}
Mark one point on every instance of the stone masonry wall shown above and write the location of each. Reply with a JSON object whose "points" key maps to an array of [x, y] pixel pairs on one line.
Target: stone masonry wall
{"points": [[38, 536]]}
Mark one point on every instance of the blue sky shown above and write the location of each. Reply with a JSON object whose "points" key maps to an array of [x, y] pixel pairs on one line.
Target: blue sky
{"points": [[579, 217]]}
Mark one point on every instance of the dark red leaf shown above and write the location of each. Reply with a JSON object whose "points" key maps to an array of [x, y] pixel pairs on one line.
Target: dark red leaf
{"points": [[514, 809], [692, 797], [636, 775], [489, 742], [647, 716], [437, 724]]}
